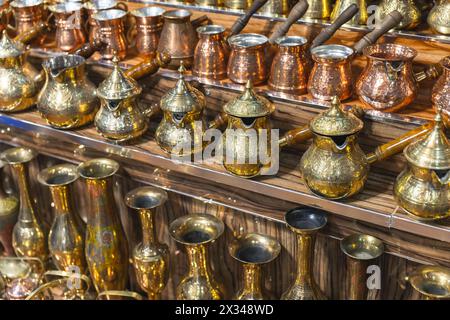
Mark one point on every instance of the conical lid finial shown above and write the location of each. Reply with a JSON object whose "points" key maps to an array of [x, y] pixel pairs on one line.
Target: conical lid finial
{"points": [[10, 48]]}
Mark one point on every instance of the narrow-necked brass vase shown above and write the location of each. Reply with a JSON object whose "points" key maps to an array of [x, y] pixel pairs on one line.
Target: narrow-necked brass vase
{"points": [[69, 25], [9, 208], [106, 246], [247, 115], [440, 95], [361, 250], [150, 257], [253, 250], [29, 239], [408, 9], [423, 188], [439, 17], [18, 85], [305, 223], [195, 232], [66, 238], [178, 132], [432, 282], [359, 18]]}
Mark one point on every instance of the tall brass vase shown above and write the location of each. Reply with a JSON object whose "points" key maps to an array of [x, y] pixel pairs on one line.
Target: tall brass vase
{"points": [[305, 222], [196, 231], [150, 257], [28, 237], [9, 207], [66, 239], [106, 246]]}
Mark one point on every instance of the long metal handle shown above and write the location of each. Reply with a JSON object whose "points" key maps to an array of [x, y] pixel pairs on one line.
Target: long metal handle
{"points": [[296, 13], [31, 34], [88, 49], [149, 66], [242, 21]]}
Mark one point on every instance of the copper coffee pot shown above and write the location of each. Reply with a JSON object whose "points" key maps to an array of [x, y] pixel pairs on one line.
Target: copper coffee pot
{"points": [[69, 25], [332, 75], [112, 32], [149, 23], [388, 82], [28, 14], [441, 90], [4, 14]]}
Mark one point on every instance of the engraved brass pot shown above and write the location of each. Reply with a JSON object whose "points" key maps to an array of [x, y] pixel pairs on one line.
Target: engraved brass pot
{"points": [[253, 250], [28, 14], [238, 4], [359, 19], [388, 82], [362, 250], [29, 238], [66, 237], [432, 282], [111, 31], [149, 23], [276, 7], [439, 17], [305, 223], [318, 9], [106, 246], [69, 26], [196, 232], [150, 257], [440, 95], [407, 8], [9, 208], [423, 187]]}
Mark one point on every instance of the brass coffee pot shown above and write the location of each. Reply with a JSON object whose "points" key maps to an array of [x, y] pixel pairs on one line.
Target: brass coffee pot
{"points": [[439, 18], [253, 250], [121, 117], [359, 19], [150, 257], [423, 188], [9, 208], [432, 282], [318, 9], [195, 232], [407, 8]]}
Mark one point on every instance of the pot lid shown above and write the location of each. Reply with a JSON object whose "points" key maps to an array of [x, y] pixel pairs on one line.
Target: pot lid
{"points": [[433, 151], [249, 104], [183, 97], [118, 86], [336, 122], [10, 48]]}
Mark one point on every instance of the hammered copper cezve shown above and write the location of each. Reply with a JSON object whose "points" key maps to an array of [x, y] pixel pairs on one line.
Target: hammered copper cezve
{"points": [[149, 23], [112, 32], [69, 26], [441, 90]]}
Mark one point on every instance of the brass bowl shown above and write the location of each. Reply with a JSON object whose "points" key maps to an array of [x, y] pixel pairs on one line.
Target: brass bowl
{"points": [[362, 247], [254, 248], [195, 229], [431, 281], [145, 198]]}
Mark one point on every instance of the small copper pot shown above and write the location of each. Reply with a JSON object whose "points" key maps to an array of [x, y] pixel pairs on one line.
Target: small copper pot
{"points": [[69, 31], [248, 58], [388, 82], [331, 74], [289, 66], [211, 53], [441, 91], [149, 23], [28, 14], [112, 32], [4, 14]]}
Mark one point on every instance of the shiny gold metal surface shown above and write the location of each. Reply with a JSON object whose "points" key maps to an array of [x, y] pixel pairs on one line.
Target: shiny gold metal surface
{"points": [[178, 37], [246, 113], [247, 59], [29, 239], [238, 4], [388, 82], [359, 18], [211, 53], [28, 14], [195, 232], [119, 295], [4, 14], [423, 188], [253, 250], [69, 25], [150, 257], [106, 246], [19, 289], [182, 108], [12, 268], [67, 100], [19, 84], [66, 237], [213, 3], [9, 208], [439, 17], [305, 223], [111, 30], [149, 24], [278, 7], [440, 95], [408, 9], [318, 9], [432, 282], [361, 250]]}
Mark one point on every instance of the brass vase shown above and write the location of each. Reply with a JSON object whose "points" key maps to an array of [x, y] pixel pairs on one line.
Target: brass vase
{"points": [[106, 246], [66, 239], [361, 250], [29, 239], [359, 18], [150, 257], [439, 17], [432, 282], [9, 207], [305, 223], [253, 250], [408, 9], [196, 231]]}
